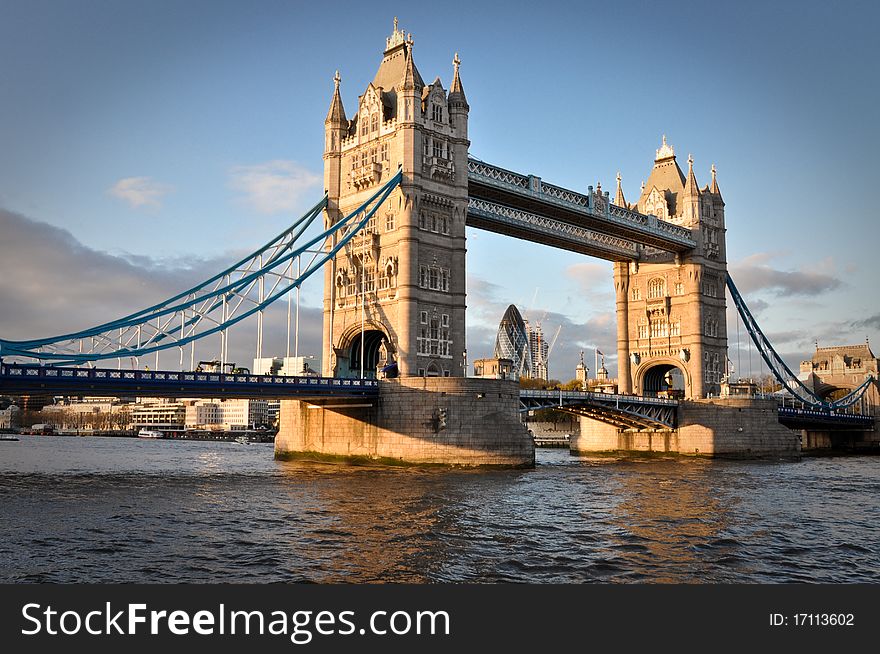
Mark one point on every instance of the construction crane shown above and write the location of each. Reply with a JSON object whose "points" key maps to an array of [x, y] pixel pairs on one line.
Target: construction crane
{"points": [[550, 349]]}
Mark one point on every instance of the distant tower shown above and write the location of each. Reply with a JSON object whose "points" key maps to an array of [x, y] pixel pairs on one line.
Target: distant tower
{"points": [[512, 342], [539, 350], [671, 310], [581, 372], [407, 269]]}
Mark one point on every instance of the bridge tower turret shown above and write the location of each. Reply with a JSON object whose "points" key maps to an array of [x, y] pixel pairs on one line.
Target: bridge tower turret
{"points": [[672, 309], [396, 293]]}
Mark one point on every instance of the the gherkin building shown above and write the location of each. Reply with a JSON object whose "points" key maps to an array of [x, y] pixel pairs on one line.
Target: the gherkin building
{"points": [[512, 342]]}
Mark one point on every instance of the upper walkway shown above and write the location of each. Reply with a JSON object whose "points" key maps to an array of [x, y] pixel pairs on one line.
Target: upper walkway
{"points": [[526, 207]]}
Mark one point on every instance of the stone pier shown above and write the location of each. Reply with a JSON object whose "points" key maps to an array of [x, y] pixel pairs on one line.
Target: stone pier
{"points": [[415, 420], [729, 427]]}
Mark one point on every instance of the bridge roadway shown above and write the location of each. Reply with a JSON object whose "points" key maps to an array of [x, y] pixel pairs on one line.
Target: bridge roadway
{"points": [[526, 207], [15, 379], [624, 411], [637, 412]]}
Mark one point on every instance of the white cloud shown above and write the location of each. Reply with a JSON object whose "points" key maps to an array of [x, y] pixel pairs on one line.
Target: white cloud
{"points": [[754, 274], [274, 186], [595, 280], [140, 191]]}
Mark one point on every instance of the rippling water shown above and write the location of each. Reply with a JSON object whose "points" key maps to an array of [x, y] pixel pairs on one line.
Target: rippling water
{"points": [[128, 510]]}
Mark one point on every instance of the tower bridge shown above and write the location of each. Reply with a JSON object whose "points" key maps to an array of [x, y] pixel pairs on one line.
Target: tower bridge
{"points": [[400, 190]]}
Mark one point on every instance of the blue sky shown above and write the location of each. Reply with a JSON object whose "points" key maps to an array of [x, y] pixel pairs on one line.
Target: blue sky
{"points": [[164, 138]]}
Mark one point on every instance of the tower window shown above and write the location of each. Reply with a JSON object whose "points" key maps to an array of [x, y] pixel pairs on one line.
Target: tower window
{"points": [[369, 281], [679, 288], [656, 288], [434, 340], [436, 112], [711, 327], [374, 123], [434, 278], [637, 293]]}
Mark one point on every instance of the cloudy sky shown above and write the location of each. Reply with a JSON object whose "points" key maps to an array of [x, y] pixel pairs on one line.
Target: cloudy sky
{"points": [[143, 146]]}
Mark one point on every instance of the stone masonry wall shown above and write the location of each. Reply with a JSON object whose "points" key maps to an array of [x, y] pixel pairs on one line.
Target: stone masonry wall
{"points": [[406, 425], [730, 427]]}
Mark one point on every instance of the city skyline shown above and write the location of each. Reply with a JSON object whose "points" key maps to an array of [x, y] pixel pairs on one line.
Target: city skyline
{"points": [[133, 171]]}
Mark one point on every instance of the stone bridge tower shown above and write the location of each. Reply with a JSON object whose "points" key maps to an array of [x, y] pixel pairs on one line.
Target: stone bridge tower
{"points": [[396, 293], [671, 324]]}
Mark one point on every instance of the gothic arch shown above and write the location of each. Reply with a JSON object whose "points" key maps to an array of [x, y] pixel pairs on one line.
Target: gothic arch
{"points": [[649, 374], [348, 362]]}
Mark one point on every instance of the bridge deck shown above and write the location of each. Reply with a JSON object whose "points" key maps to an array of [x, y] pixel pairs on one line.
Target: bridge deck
{"points": [[104, 382], [823, 418], [624, 411]]}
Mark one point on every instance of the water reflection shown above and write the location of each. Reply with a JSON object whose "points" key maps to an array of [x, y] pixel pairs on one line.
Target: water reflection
{"points": [[668, 511], [118, 510], [372, 524]]}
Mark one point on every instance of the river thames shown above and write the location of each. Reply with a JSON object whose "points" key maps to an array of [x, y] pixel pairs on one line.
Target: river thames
{"points": [[153, 511]]}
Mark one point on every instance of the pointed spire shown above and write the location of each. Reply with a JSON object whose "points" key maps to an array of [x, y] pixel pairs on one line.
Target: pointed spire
{"points": [[336, 115], [411, 78], [619, 200], [456, 90], [665, 151], [397, 37], [714, 186], [690, 186]]}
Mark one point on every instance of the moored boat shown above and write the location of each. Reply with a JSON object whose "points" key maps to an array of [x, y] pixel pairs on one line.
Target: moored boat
{"points": [[150, 433]]}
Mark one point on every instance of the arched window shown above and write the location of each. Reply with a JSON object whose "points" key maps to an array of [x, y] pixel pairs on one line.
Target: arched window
{"points": [[374, 123], [656, 288]]}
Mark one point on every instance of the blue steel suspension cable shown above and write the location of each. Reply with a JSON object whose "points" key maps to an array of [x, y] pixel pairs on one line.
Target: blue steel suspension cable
{"points": [[13, 348], [780, 369], [150, 312]]}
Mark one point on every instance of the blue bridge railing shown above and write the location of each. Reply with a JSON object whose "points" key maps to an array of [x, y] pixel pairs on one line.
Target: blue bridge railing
{"points": [[25, 377]]}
